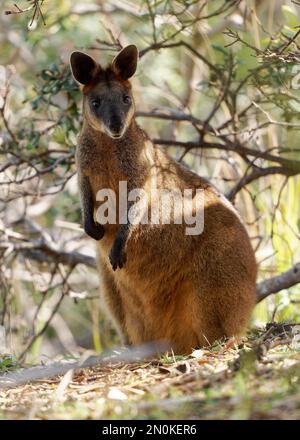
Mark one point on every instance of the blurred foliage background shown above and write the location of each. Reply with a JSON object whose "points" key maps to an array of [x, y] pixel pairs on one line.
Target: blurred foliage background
{"points": [[217, 85]]}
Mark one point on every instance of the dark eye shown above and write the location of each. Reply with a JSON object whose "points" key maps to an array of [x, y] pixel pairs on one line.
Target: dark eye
{"points": [[127, 99], [96, 103]]}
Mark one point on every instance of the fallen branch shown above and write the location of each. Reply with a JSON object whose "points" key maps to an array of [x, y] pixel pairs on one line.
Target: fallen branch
{"points": [[118, 355]]}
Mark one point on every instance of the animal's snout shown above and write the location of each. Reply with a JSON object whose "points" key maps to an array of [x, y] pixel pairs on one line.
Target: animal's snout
{"points": [[115, 125]]}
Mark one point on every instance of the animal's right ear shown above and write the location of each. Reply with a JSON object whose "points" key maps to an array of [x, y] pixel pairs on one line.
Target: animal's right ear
{"points": [[84, 67]]}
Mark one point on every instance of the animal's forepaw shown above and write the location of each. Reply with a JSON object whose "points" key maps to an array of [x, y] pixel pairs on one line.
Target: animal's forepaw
{"points": [[117, 255], [94, 230]]}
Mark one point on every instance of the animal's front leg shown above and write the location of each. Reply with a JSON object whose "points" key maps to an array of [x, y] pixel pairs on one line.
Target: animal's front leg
{"points": [[91, 228], [117, 255]]}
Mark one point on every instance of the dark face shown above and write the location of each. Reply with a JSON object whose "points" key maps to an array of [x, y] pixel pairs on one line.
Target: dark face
{"points": [[107, 100], [109, 108]]}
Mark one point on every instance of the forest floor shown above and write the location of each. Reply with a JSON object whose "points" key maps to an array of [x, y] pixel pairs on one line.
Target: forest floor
{"points": [[259, 379]]}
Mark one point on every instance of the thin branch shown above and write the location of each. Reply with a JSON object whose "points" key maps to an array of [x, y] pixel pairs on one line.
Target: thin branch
{"points": [[43, 252], [289, 166], [275, 284]]}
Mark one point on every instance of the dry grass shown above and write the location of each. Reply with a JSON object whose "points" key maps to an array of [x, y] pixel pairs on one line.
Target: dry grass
{"points": [[259, 379]]}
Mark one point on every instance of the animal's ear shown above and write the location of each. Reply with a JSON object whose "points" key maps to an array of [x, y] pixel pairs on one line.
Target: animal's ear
{"points": [[83, 67], [124, 64]]}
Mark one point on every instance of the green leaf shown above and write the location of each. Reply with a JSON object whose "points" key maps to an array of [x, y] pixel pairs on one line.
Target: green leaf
{"points": [[35, 103]]}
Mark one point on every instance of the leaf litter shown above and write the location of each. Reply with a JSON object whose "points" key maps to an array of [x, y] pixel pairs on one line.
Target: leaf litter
{"points": [[256, 378]]}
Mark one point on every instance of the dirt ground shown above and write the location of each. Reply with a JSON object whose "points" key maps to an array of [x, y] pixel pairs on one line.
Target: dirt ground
{"points": [[258, 379]]}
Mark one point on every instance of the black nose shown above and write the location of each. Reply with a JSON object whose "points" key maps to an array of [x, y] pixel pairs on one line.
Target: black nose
{"points": [[115, 125]]}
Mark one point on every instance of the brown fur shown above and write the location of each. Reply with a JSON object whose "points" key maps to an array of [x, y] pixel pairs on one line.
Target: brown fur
{"points": [[190, 290]]}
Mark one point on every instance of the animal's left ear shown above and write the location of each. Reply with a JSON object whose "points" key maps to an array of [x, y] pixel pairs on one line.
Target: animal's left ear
{"points": [[124, 64]]}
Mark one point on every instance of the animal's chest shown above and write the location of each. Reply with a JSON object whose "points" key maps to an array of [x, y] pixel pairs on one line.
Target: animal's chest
{"points": [[103, 170]]}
